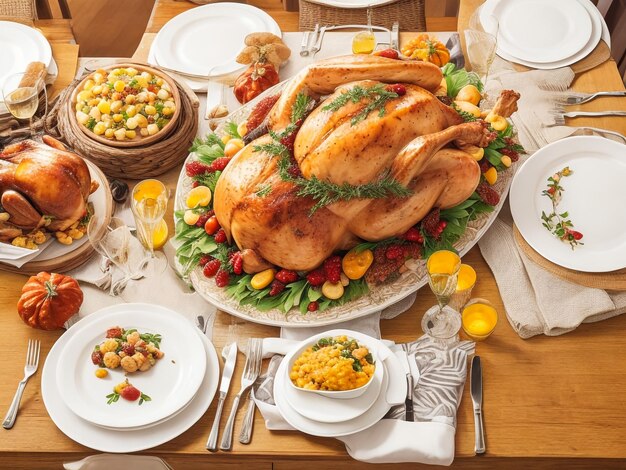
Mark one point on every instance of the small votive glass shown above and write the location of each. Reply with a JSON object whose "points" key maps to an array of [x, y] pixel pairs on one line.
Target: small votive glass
{"points": [[465, 284], [479, 319]]}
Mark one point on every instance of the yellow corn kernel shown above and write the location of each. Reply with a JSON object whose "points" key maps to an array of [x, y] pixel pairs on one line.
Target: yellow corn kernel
{"points": [[190, 217], [142, 121], [118, 117], [97, 89], [104, 107], [101, 373], [167, 111], [120, 134], [150, 110], [109, 133], [130, 134], [99, 128], [98, 77], [491, 175], [332, 291], [89, 84], [119, 86], [499, 123], [262, 279]]}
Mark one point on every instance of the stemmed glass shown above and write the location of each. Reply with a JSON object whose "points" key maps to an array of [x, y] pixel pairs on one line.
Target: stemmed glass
{"points": [[115, 243], [441, 322], [148, 204], [481, 41], [364, 42], [23, 101]]}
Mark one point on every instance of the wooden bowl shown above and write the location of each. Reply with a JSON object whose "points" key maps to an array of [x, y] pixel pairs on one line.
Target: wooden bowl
{"points": [[138, 141]]}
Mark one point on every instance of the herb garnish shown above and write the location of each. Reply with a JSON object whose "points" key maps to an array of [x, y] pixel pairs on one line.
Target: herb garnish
{"points": [[378, 93], [559, 224]]}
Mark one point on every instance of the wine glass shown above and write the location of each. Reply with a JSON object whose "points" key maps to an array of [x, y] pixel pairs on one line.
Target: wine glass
{"points": [[441, 322], [148, 204], [115, 242], [364, 42], [22, 100], [481, 42]]}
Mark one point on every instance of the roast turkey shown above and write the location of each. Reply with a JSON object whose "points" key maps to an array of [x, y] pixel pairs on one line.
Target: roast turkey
{"points": [[406, 140], [42, 184]]}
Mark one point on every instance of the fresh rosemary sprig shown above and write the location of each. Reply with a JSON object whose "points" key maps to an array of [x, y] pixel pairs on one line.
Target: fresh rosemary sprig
{"points": [[264, 191], [378, 93], [275, 149], [559, 223], [300, 107], [326, 193]]}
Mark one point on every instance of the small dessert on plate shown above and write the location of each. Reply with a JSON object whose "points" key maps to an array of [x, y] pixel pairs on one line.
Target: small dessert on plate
{"points": [[128, 349]]}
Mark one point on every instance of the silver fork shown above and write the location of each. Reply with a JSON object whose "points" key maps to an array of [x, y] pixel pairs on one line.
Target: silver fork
{"points": [[251, 371], [584, 98], [559, 120], [32, 361], [248, 421]]}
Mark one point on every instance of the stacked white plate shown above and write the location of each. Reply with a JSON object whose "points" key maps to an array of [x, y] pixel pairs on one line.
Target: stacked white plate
{"points": [[326, 416], [207, 39], [593, 198], [181, 385], [546, 34]]}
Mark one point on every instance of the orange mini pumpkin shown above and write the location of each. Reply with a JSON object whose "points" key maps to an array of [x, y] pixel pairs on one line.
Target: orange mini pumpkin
{"points": [[428, 49], [49, 300]]}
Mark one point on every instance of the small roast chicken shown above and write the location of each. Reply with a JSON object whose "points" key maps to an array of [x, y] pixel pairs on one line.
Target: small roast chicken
{"points": [[408, 140], [42, 184]]}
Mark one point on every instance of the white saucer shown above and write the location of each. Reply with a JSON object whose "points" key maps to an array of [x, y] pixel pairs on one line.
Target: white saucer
{"points": [[393, 392]]}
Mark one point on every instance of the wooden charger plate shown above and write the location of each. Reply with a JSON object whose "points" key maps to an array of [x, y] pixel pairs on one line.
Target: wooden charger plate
{"points": [[614, 280], [70, 259], [139, 140]]}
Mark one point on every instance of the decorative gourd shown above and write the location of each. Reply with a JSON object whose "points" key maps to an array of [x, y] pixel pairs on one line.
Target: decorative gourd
{"points": [[49, 300], [428, 49], [254, 81]]}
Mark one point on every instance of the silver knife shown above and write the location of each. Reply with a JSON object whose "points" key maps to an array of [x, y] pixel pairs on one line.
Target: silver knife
{"points": [[395, 36], [573, 114], [476, 387], [230, 357]]}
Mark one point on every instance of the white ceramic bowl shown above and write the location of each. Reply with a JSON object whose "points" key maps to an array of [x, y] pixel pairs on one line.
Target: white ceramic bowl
{"points": [[372, 344]]}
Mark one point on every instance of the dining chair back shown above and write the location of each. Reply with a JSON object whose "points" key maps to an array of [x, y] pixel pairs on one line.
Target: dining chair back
{"points": [[409, 13], [23, 11], [614, 12]]}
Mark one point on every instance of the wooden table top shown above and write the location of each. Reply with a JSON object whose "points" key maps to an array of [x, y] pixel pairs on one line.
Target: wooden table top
{"points": [[548, 401]]}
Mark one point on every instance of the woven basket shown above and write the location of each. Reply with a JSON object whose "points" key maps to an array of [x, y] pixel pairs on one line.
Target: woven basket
{"points": [[135, 162], [410, 14], [18, 10]]}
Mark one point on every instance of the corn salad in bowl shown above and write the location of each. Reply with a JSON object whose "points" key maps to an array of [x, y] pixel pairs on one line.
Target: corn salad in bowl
{"points": [[125, 105], [337, 366]]}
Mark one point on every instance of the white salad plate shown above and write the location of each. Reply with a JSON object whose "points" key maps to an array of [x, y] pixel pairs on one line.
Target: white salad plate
{"points": [[21, 45], [599, 31], [52, 249], [333, 410], [392, 392], [171, 383], [594, 196], [210, 37], [542, 31], [108, 440]]}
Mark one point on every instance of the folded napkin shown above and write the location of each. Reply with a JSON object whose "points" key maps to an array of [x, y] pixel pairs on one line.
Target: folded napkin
{"points": [[107, 461], [536, 301], [439, 375]]}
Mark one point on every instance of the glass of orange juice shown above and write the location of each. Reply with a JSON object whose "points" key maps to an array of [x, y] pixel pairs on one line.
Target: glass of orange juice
{"points": [[364, 42], [479, 319], [148, 204], [442, 322]]}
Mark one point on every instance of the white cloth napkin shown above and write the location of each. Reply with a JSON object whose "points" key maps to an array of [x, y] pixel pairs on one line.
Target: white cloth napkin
{"points": [[439, 377], [536, 301], [108, 461]]}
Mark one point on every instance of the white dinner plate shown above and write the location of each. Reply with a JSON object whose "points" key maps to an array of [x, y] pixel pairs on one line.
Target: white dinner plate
{"points": [[392, 392], [20, 45], [332, 410], [107, 440], [53, 249], [594, 198], [599, 31], [353, 3], [171, 383], [541, 31], [210, 36]]}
